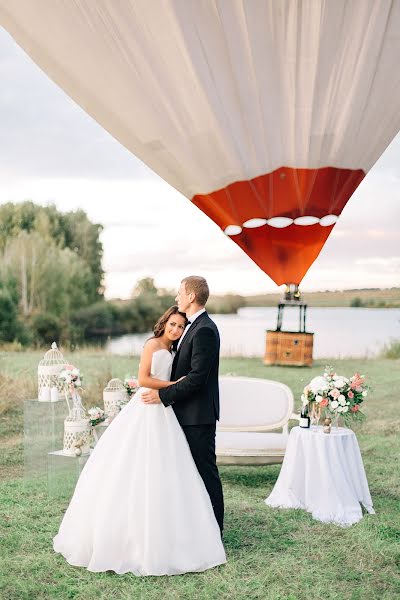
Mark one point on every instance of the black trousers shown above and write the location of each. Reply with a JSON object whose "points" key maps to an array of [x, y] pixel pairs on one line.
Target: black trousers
{"points": [[201, 440]]}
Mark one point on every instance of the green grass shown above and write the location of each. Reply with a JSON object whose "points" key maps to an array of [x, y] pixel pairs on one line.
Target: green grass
{"points": [[272, 554]]}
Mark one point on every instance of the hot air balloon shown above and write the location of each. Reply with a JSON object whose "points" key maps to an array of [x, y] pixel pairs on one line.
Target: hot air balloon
{"points": [[265, 114]]}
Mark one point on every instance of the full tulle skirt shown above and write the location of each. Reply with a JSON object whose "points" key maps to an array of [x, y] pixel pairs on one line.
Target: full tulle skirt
{"points": [[140, 505]]}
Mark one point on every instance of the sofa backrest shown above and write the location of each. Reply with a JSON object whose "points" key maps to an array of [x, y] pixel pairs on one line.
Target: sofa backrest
{"points": [[249, 404]]}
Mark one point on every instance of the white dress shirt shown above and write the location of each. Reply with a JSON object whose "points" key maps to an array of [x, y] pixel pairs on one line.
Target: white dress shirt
{"points": [[191, 321]]}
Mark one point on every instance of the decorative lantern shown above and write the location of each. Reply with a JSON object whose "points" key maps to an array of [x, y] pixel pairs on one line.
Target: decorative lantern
{"points": [[76, 427], [114, 395], [76, 436], [50, 388]]}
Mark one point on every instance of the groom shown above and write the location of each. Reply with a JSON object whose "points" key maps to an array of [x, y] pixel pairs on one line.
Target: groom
{"points": [[195, 399]]}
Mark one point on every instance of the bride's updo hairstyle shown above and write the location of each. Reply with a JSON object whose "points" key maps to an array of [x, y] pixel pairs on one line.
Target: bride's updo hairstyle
{"points": [[159, 327]]}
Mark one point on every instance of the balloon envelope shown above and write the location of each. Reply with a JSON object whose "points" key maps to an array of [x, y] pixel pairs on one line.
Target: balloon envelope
{"points": [[254, 110]]}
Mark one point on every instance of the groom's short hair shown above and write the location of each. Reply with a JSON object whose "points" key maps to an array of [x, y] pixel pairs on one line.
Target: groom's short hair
{"points": [[199, 286]]}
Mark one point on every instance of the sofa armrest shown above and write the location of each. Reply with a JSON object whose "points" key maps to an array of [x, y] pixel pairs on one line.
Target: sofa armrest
{"points": [[294, 417]]}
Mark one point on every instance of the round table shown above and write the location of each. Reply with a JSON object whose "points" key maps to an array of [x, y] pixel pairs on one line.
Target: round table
{"points": [[324, 475]]}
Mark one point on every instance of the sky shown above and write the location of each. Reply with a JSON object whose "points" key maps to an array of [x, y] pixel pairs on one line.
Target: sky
{"points": [[52, 152]]}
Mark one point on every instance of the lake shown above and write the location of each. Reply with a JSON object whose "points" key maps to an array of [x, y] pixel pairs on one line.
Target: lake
{"points": [[338, 332]]}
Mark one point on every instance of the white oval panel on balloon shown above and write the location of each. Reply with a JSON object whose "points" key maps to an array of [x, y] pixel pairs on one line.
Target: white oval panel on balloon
{"points": [[253, 223], [233, 230], [306, 220], [328, 220], [280, 222]]}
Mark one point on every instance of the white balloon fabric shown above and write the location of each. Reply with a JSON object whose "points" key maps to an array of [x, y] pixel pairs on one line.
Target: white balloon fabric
{"points": [[253, 109]]}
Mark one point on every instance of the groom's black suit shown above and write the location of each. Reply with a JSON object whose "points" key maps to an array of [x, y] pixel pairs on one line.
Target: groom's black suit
{"points": [[195, 401]]}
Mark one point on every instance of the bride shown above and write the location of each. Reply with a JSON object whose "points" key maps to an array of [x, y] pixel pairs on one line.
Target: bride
{"points": [[140, 505]]}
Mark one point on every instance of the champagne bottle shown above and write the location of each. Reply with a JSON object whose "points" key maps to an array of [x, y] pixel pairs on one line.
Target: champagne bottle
{"points": [[305, 417]]}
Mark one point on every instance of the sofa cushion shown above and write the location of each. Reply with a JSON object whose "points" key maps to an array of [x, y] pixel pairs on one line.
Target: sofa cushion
{"points": [[249, 404], [242, 443]]}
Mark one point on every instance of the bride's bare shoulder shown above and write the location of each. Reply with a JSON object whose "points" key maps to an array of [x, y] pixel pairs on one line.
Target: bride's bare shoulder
{"points": [[152, 345]]}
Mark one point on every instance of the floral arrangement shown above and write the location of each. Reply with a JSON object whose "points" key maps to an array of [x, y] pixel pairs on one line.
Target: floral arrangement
{"points": [[72, 379], [71, 376], [336, 394], [131, 385], [96, 415]]}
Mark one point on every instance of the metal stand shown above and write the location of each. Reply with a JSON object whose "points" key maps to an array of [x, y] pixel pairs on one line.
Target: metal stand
{"points": [[302, 314]]}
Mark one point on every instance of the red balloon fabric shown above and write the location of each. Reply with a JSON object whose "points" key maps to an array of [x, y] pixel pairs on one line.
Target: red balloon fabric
{"points": [[285, 253]]}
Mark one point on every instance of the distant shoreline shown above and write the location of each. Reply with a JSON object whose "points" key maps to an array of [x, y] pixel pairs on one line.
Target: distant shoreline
{"points": [[363, 298]]}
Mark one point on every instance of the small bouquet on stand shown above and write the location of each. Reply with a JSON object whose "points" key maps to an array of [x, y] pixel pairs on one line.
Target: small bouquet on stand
{"points": [[131, 385], [96, 415], [335, 396], [77, 424]]}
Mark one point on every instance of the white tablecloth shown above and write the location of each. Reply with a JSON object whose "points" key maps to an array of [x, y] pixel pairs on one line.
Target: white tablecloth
{"points": [[323, 474]]}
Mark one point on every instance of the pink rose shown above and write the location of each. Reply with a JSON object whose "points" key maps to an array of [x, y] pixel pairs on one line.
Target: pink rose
{"points": [[324, 402], [356, 381], [132, 382], [350, 394], [355, 408], [334, 393]]}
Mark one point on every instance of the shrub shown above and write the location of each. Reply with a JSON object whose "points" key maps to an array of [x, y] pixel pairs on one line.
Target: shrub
{"points": [[46, 328], [356, 302], [97, 319], [9, 324], [392, 349]]}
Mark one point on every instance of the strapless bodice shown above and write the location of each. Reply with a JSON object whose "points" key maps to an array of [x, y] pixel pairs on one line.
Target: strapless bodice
{"points": [[161, 364]]}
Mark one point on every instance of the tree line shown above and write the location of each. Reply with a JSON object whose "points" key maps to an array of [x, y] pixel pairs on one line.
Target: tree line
{"points": [[51, 280]]}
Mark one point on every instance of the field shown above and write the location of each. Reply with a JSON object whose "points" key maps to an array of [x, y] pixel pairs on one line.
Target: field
{"points": [[272, 554], [385, 298]]}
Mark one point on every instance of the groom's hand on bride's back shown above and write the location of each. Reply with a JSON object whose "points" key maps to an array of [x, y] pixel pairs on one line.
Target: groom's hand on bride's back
{"points": [[151, 397]]}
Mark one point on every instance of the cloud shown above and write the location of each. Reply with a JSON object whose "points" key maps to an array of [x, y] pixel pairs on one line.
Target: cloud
{"points": [[46, 134]]}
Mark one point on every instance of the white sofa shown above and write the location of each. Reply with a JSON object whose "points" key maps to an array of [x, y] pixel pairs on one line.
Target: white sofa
{"points": [[252, 410]]}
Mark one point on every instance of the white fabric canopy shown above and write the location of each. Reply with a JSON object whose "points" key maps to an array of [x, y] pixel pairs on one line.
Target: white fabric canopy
{"points": [[211, 92]]}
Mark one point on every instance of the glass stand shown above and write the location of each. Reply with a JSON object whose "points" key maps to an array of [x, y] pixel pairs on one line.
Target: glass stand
{"points": [[63, 473], [43, 433]]}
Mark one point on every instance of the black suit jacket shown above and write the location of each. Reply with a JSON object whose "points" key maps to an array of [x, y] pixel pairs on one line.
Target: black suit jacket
{"points": [[195, 399]]}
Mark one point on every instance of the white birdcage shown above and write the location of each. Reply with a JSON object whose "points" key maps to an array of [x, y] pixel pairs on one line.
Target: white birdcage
{"points": [[77, 427], [114, 395], [49, 386], [76, 436]]}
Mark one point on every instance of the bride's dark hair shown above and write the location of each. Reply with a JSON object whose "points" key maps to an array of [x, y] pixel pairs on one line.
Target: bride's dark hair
{"points": [[159, 327]]}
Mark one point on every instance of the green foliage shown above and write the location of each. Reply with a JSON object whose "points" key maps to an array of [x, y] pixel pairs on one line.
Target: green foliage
{"points": [[137, 315], [71, 230], [46, 328], [225, 305], [391, 350], [356, 302], [97, 319], [8, 317], [50, 265]]}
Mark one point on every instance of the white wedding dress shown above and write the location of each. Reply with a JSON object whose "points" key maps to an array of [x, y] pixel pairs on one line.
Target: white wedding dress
{"points": [[140, 505]]}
